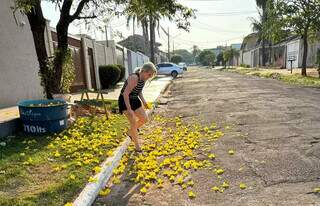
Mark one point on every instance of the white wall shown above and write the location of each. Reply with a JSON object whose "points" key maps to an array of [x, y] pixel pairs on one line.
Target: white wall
{"points": [[293, 48], [246, 58], [19, 66]]}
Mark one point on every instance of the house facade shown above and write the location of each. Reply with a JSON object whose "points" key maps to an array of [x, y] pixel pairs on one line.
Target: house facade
{"points": [[281, 55], [19, 69], [19, 78]]}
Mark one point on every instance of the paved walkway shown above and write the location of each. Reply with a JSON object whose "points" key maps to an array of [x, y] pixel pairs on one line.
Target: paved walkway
{"points": [[150, 92]]}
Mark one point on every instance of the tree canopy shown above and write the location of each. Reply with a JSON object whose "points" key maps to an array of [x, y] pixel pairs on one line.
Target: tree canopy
{"points": [[176, 59], [207, 57], [187, 57], [301, 18]]}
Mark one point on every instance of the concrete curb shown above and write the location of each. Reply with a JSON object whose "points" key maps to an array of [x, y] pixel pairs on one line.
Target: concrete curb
{"points": [[91, 190]]}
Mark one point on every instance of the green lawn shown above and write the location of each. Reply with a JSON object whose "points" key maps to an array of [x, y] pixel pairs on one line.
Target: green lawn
{"points": [[52, 169], [293, 79]]}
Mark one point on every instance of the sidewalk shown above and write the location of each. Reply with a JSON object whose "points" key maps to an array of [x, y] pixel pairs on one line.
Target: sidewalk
{"points": [[151, 91]]}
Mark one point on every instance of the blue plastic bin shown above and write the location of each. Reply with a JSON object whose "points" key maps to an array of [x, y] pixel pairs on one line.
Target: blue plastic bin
{"points": [[37, 119]]}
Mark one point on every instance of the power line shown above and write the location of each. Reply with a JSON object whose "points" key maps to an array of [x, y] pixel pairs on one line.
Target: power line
{"points": [[215, 29], [235, 13], [206, 42]]}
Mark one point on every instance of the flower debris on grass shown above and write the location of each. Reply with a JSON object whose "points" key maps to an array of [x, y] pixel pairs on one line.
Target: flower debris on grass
{"points": [[51, 170]]}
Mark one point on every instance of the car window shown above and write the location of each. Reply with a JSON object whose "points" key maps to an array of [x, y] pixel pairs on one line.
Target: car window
{"points": [[160, 65], [168, 65]]}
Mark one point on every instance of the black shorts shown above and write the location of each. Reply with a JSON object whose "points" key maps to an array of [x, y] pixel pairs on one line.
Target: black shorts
{"points": [[135, 104]]}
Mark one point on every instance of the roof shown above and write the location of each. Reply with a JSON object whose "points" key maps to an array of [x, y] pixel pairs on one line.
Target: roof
{"points": [[249, 42]]}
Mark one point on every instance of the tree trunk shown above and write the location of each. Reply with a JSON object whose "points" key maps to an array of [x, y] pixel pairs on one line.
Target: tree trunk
{"points": [[263, 52], [152, 40], [38, 24], [62, 36], [305, 54], [62, 49], [145, 36], [264, 19]]}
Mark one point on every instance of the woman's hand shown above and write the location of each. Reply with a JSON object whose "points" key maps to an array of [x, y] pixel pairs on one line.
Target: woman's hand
{"points": [[146, 105]]}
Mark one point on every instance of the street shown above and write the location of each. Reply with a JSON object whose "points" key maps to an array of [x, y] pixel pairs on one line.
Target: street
{"points": [[274, 130]]}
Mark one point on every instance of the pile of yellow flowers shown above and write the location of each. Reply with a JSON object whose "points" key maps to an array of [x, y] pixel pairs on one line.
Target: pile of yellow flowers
{"points": [[170, 155], [88, 142]]}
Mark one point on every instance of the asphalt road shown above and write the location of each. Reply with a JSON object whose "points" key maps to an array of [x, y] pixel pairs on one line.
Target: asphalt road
{"points": [[275, 131]]}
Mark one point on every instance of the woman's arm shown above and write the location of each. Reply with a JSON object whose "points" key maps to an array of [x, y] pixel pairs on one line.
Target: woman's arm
{"points": [[145, 104], [132, 83]]}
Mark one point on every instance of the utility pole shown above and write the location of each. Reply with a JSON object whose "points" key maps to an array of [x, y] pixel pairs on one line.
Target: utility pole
{"points": [[173, 47], [168, 45], [133, 30], [106, 30]]}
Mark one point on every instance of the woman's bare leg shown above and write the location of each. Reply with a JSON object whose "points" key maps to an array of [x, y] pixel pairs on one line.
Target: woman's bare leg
{"points": [[133, 129], [142, 117]]}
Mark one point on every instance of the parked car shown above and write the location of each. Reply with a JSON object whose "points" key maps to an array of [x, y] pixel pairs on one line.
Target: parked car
{"points": [[183, 65], [169, 69]]}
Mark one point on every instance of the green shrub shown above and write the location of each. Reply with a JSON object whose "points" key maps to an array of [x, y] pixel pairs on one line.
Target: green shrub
{"points": [[109, 75], [122, 72], [245, 66]]}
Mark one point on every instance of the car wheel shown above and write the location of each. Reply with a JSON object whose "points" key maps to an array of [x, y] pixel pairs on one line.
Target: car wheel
{"points": [[174, 74]]}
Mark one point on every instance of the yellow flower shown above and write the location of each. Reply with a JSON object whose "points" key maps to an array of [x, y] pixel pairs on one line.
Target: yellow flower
{"points": [[219, 171], [190, 183], [225, 185], [116, 180], [92, 179], [72, 177], [172, 178], [212, 156], [191, 195], [242, 186], [316, 190], [180, 180], [105, 192], [68, 204], [184, 186], [57, 154], [231, 152], [143, 190], [215, 188], [97, 169], [148, 185]]}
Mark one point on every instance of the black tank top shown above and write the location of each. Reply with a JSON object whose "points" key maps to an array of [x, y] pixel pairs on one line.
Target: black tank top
{"points": [[135, 91]]}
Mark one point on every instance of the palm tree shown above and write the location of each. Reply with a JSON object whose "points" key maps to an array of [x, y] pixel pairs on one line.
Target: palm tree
{"points": [[135, 12], [151, 11], [195, 52], [258, 27], [262, 4], [148, 15]]}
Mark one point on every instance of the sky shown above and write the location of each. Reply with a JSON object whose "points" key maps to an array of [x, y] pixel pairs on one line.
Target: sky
{"points": [[218, 22]]}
